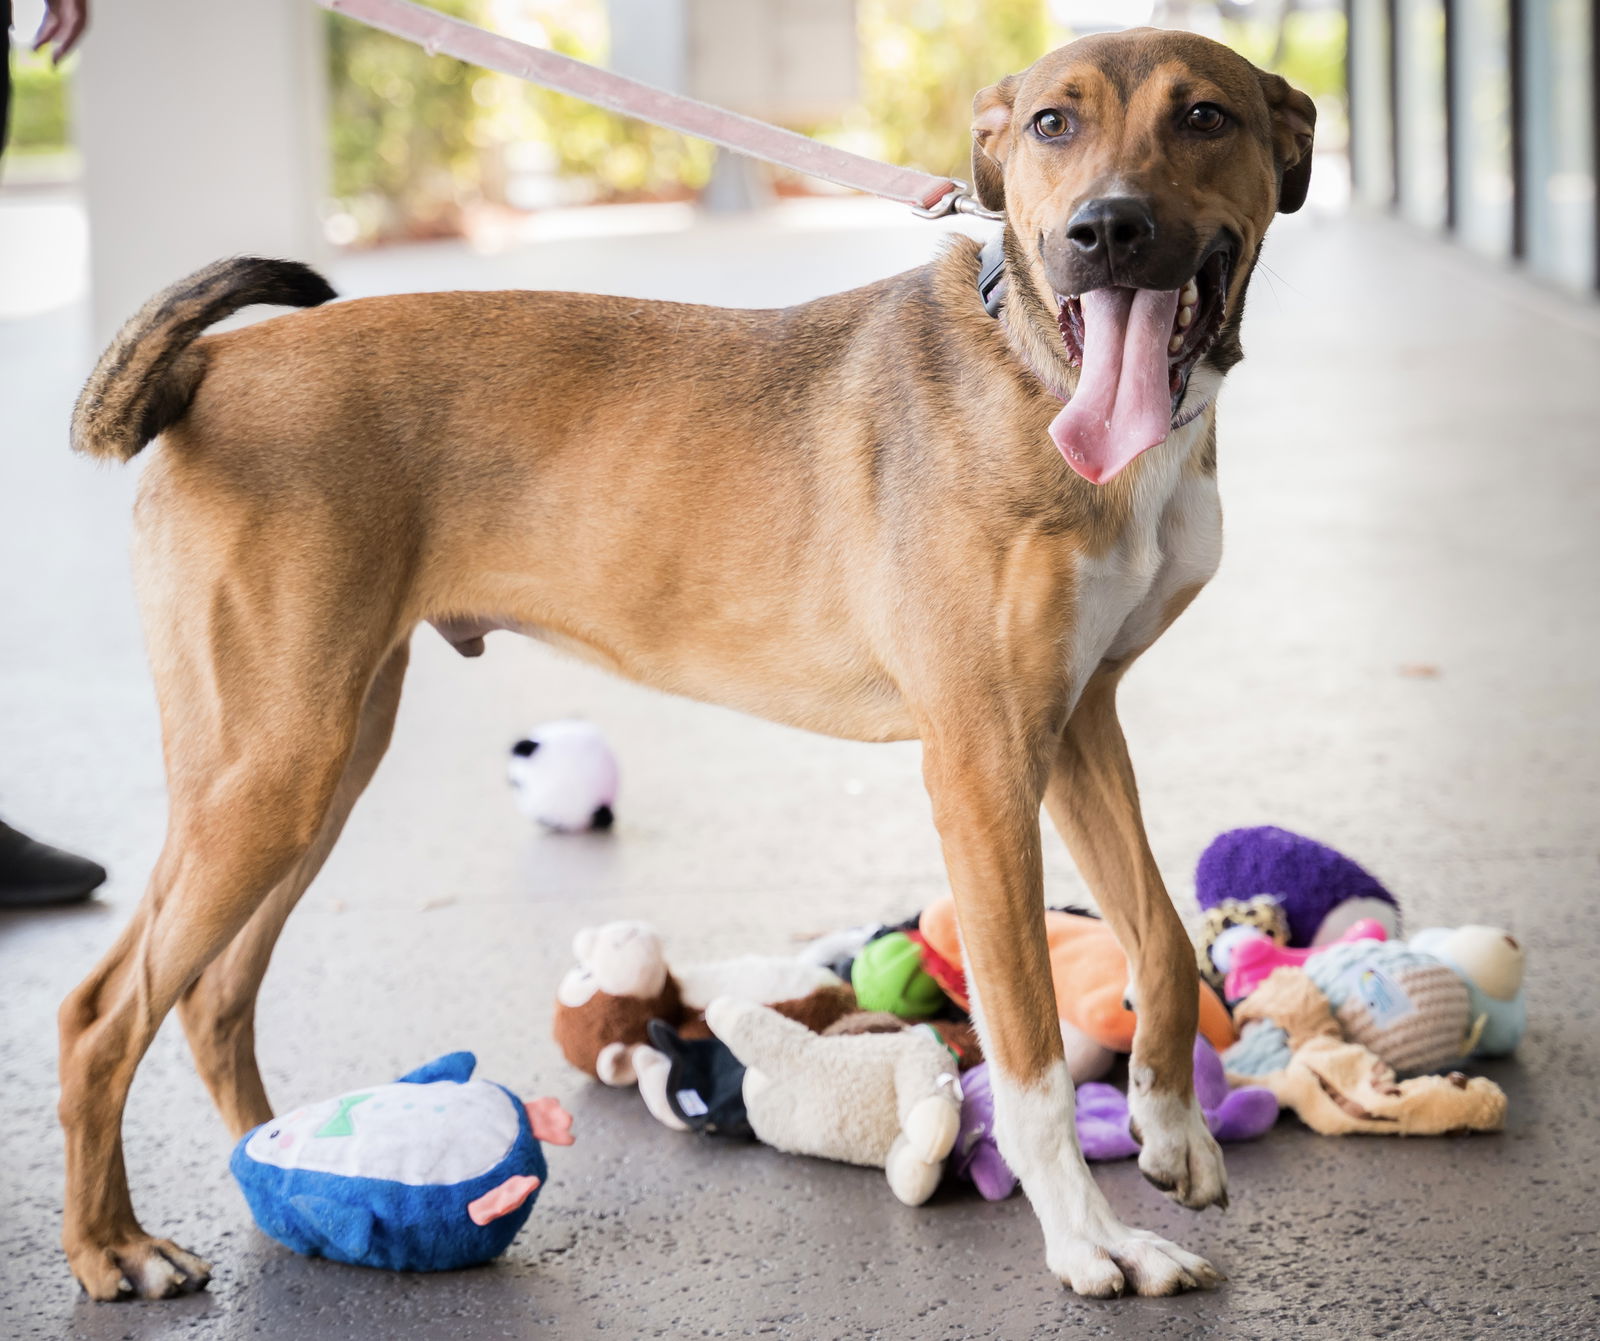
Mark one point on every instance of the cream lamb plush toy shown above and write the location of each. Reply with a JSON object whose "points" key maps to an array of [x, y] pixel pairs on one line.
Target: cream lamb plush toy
{"points": [[889, 1101]]}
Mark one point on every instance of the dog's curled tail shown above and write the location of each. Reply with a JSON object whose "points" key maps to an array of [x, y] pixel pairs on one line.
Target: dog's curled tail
{"points": [[146, 378]]}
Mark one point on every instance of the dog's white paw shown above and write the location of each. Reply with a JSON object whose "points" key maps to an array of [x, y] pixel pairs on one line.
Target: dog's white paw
{"points": [[1130, 1261], [1179, 1154]]}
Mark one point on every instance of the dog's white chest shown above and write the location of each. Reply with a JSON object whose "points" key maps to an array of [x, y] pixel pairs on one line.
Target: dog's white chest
{"points": [[1171, 546]]}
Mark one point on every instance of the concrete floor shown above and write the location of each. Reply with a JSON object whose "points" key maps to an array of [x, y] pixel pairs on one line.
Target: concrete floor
{"points": [[1410, 467]]}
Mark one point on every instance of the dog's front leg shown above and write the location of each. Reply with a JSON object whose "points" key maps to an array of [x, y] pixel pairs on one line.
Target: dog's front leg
{"points": [[1094, 803], [986, 787]]}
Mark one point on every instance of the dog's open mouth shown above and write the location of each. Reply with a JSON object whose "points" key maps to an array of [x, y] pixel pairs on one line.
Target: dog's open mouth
{"points": [[1136, 349]]}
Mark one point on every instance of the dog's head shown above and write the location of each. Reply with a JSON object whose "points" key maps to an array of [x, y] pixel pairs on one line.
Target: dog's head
{"points": [[1138, 172]]}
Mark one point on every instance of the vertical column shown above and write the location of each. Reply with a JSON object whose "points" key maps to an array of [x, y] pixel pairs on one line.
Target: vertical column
{"points": [[201, 124]]}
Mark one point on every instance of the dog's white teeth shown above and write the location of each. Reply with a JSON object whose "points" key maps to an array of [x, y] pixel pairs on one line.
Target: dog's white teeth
{"points": [[1185, 317], [1174, 344], [1190, 295]]}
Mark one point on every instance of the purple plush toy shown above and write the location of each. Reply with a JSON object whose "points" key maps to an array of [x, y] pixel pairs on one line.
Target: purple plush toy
{"points": [[1232, 1115], [976, 1157], [1322, 891]]}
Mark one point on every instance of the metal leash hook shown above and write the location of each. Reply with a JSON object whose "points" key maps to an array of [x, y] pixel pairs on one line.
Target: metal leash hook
{"points": [[957, 200]]}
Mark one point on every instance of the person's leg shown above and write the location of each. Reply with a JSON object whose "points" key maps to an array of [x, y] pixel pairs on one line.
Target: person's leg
{"points": [[5, 75]]}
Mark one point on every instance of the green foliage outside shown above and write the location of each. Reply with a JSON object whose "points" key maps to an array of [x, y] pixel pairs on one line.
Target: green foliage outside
{"points": [[1309, 54], [402, 128], [40, 117], [415, 138], [921, 62]]}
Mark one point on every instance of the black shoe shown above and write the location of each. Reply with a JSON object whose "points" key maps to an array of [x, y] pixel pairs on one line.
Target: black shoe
{"points": [[33, 874]]}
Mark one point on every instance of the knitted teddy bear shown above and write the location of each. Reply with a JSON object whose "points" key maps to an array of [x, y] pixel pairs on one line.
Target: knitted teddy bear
{"points": [[1416, 1008], [1490, 962], [621, 982], [1294, 1046]]}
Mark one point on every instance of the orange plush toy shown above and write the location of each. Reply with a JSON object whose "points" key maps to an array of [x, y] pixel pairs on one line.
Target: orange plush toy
{"points": [[1090, 972]]}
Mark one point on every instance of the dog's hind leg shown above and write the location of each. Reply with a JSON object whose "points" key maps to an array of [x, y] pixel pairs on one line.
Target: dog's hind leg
{"points": [[1094, 802], [262, 672], [218, 1011], [986, 783]]}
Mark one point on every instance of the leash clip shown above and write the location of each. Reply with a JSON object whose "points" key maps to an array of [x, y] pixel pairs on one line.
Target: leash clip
{"points": [[957, 200]]}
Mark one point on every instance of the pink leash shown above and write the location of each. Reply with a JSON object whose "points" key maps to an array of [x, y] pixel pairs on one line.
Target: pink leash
{"points": [[929, 196]]}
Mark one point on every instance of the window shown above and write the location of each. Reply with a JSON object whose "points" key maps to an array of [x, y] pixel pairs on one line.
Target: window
{"points": [[1480, 115], [1559, 155]]}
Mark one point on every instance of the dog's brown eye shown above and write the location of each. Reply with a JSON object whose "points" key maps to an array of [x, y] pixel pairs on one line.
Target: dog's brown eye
{"points": [[1206, 117], [1050, 123]]}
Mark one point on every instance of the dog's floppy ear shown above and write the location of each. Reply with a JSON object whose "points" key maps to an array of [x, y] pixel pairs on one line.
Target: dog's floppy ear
{"points": [[1294, 119], [991, 140]]}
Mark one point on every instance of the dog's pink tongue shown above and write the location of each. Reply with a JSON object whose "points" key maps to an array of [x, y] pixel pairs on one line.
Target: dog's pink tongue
{"points": [[1123, 404]]}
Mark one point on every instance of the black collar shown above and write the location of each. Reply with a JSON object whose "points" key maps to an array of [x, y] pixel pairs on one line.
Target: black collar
{"points": [[992, 273]]}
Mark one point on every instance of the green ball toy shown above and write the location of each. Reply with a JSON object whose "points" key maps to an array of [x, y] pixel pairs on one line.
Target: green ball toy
{"points": [[888, 975]]}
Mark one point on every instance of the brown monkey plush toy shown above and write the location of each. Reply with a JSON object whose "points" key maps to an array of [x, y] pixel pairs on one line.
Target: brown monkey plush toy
{"points": [[621, 982]]}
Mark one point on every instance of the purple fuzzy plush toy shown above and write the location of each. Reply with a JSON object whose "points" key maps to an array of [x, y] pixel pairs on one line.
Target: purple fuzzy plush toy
{"points": [[1232, 1115], [976, 1157], [1321, 891]]}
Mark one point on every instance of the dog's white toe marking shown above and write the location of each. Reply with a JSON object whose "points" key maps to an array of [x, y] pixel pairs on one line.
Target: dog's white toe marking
{"points": [[1179, 1154]]}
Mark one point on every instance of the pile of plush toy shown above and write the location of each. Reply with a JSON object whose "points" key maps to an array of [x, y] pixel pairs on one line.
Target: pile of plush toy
{"points": [[860, 1048]]}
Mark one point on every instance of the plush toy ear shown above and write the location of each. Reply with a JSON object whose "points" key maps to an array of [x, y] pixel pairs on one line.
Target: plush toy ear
{"points": [[576, 988], [583, 944], [1294, 120], [551, 1123], [457, 1066], [348, 1228], [991, 140], [502, 1200]]}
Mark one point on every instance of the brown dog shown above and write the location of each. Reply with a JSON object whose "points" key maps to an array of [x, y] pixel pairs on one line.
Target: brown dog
{"points": [[847, 516]]}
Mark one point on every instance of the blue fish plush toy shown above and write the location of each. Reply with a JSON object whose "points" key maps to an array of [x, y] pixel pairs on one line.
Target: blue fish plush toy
{"points": [[432, 1172]]}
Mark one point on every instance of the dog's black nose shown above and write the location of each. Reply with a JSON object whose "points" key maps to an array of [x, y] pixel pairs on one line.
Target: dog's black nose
{"points": [[1110, 228]]}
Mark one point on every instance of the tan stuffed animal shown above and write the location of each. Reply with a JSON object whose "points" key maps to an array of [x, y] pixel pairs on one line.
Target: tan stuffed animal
{"points": [[621, 982], [1339, 1087], [886, 1100]]}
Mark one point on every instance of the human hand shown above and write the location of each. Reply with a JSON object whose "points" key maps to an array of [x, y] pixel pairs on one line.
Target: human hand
{"points": [[64, 22]]}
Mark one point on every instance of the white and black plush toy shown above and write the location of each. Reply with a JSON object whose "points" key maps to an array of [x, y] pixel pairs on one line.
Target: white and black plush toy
{"points": [[565, 776]]}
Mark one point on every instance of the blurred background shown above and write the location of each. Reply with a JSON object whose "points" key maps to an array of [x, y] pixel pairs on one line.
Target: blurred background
{"points": [[316, 133], [1473, 119]]}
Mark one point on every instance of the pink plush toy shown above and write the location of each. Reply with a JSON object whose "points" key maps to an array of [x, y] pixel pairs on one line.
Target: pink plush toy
{"points": [[1253, 955]]}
